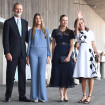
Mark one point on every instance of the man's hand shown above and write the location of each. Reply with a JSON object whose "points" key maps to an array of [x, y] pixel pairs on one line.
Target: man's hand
{"points": [[9, 56]]}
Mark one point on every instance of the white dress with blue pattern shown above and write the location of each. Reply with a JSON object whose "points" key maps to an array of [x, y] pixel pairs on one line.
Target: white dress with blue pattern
{"points": [[85, 66]]}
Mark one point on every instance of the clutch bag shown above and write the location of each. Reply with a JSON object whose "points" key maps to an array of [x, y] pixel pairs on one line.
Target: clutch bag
{"points": [[62, 59]]}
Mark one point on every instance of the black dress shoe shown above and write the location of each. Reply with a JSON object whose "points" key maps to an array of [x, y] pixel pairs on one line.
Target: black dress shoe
{"points": [[7, 99], [24, 99]]}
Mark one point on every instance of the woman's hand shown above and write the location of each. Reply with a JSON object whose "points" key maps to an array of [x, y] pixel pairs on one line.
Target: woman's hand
{"points": [[99, 58], [95, 50], [80, 15], [28, 61], [67, 59], [48, 60]]}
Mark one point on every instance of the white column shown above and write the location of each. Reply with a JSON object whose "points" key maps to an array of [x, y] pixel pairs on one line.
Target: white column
{"points": [[2, 62]]}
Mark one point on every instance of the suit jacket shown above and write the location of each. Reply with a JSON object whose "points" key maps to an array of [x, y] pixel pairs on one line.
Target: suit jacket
{"points": [[13, 43]]}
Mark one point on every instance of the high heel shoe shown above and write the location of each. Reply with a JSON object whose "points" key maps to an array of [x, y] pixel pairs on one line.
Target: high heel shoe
{"points": [[82, 100], [61, 100], [86, 101], [36, 100], [65, 100], [42, 101]]}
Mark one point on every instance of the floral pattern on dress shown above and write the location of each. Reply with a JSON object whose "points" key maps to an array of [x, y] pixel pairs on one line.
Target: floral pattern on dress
{"points": [[82, 38], [92, 64]]}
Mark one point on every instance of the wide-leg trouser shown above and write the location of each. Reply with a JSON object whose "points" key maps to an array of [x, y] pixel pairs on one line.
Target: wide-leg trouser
{"points": [[38, 58]]}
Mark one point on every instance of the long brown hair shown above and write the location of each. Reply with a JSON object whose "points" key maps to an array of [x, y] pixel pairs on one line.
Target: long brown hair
{"points": [[34, 26], [67, 29], [86, 28]]}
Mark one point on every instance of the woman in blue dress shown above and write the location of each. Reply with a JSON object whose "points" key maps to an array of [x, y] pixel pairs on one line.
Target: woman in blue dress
{"points": [[62, 68], [38, 54]]}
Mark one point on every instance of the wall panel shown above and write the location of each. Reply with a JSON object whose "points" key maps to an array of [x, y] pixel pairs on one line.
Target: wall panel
{"points": [[51, 11]]}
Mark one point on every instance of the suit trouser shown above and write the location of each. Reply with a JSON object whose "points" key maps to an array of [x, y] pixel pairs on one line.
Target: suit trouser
{"points": [[10, 73]]}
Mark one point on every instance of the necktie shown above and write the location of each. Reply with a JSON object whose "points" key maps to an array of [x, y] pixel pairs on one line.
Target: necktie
{"points": [[19, 26]]}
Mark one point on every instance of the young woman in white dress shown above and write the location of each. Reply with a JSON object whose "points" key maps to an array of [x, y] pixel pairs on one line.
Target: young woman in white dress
{"points": [[85, 66]]}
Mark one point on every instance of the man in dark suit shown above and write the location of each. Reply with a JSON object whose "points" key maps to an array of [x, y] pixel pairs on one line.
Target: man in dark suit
{"points": [[15, 34]]}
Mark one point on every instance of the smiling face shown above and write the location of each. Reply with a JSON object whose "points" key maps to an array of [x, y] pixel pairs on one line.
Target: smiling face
{"points": [[64, 21], [81, 25], [18, 9], [38, 20]]}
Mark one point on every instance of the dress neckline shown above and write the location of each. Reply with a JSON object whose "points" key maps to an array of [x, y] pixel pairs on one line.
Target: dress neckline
{"points": [[61, 31], [38, 29]]}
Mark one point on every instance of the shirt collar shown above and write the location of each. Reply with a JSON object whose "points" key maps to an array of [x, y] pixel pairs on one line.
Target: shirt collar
{"points": [[17, 18]]}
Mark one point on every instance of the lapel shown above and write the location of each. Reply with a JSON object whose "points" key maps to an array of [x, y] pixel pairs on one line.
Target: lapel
{"points": [[15, 25], [23, 25]]}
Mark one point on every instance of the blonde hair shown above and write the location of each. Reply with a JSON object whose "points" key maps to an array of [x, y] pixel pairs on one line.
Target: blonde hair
{"points": [[34, 26]]}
